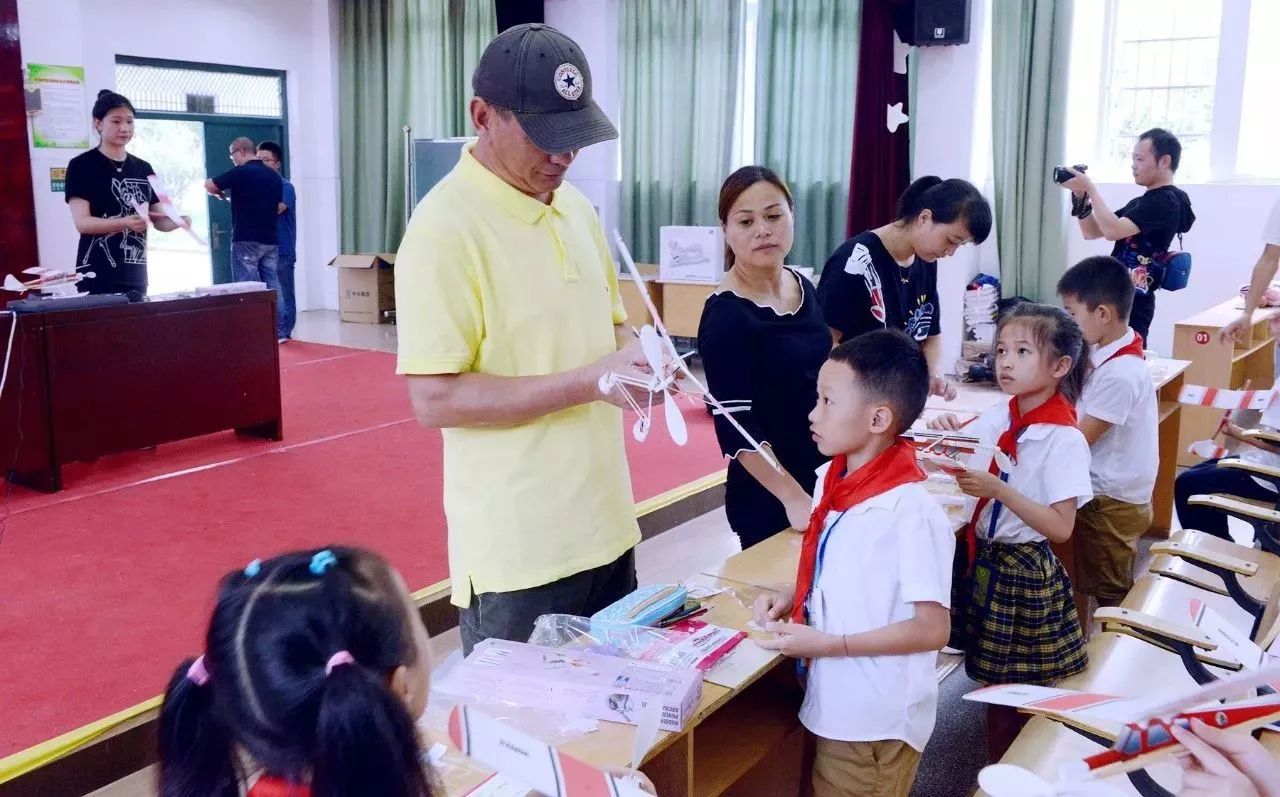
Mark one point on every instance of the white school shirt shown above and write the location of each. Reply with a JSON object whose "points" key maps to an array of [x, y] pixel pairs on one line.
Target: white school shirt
{"points": [[878, 559], [1125, 458], [1052, 466]]}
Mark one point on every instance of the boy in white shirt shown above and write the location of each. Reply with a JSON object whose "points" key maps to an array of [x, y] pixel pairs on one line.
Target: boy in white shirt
{"points": [[1118, 416], [871, 605]]}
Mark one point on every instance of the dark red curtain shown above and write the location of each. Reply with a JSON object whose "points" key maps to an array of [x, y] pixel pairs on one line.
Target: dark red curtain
{"points": [[881, 167], [18, 219]]}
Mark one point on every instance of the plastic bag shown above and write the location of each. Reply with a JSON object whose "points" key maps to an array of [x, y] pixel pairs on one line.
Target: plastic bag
{"points": [[688, 643]]}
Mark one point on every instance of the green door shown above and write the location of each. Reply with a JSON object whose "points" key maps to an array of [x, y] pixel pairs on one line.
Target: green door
{"points": [[217, 152]]}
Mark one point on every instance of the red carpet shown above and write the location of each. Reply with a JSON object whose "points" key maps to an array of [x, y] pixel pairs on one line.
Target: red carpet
{"points": [[108, 584]]}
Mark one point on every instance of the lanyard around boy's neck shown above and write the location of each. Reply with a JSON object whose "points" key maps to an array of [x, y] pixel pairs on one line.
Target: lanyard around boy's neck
{"points": [[802, 665]]}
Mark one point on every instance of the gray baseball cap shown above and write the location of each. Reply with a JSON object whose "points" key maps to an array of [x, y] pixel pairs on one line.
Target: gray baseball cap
{"points": [[541, 76]]}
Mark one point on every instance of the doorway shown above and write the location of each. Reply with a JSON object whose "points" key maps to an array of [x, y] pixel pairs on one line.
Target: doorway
{"points": [[187, 115]]}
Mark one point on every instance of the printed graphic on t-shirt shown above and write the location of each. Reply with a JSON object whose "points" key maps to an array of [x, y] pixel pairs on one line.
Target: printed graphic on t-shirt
{"points": [[920, 324], [128, 191], [860, 264]]}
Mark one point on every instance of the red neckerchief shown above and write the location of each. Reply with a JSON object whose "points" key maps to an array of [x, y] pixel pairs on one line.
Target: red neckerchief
{"points": [[1133, 347], [271, 786], [1057, 410], [893, 467]]}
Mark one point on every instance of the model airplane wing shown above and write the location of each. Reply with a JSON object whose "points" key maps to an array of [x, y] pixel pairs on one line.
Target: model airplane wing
{"points": [[170, 210]]}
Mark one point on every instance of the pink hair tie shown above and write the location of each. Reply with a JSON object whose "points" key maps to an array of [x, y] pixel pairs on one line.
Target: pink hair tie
{"points": [[197, 673], [339, 658]]}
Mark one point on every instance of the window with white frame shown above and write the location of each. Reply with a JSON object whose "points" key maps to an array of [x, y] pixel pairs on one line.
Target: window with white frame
{"points": [[1203, 69]]}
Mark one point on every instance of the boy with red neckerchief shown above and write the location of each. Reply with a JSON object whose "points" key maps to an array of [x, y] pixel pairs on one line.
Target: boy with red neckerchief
{"points": [[1118, 415], [870, 608]]}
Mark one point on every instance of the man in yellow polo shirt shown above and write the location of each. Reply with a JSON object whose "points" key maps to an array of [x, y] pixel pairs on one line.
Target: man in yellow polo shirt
{"points": [[508, 314]]}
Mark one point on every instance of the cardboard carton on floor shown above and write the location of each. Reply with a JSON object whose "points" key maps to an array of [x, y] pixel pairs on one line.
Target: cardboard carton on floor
{"points": [[366, 286], [576, 682]]}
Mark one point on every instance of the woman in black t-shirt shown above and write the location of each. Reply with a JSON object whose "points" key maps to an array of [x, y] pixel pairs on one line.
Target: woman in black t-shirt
{"points": [[762, 339], [887, 278], [104, 188]]}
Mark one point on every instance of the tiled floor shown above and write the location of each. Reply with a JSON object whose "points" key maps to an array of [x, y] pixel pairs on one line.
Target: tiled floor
{"points": [[324, 326]]}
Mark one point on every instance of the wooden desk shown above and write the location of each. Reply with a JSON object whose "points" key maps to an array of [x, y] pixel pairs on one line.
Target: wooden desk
{"points": [[102, 380], [682, 304], [637, 311], [740, 741], [1216, 364]]}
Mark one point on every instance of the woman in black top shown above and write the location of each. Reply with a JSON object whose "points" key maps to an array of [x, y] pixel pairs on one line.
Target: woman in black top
{"points": [[887, 278], [104, 186], [762, 340]]}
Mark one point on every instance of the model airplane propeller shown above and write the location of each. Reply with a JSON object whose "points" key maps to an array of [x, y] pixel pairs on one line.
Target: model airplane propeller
{"points": [[667, 366], [662, 380], [1136, 744]]}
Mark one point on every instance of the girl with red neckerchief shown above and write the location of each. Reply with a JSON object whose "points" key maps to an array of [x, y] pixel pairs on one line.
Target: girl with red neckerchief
{"points": [[1018, 624]]}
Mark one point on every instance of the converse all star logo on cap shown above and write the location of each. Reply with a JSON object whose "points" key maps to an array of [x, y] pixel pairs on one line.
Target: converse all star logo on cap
{"points": [[542, 77], [569, 82]]}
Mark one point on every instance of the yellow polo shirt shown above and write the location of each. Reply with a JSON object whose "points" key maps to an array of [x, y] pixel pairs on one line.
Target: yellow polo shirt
{"points": [[489, 280]]}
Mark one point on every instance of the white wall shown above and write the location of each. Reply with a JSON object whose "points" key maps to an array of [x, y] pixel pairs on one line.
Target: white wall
{"points": [[953, 101], [593, 24], [297, 36]]}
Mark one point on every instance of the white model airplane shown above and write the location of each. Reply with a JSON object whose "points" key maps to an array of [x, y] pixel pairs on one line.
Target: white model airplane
{"points": [[50, 280], [1137, 742], [663, 358], [662, 380]]}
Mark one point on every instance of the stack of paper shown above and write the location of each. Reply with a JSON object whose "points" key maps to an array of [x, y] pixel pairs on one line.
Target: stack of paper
{"points": [[980, 314]]}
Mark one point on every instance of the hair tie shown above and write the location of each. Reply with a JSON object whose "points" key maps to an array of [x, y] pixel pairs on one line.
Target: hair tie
{"points": [[322, 562], [253, 568], [197, 673], [337, 659]]}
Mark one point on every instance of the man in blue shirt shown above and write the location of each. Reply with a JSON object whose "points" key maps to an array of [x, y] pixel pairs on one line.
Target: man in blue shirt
{"points": [[256, 193], [270, 153]]}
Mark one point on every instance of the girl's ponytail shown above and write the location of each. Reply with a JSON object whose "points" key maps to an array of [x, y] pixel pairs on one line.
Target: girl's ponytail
{"points": [[196, 751], [365, 741]]}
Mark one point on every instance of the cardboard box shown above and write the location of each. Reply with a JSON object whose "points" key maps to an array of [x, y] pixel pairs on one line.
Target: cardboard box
{"points": [[575, 682], [366, 286], [682, 304], [637, 313], [691, 254]]}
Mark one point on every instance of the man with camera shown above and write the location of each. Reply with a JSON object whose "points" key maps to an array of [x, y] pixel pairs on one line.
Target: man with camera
{"points": [[1145, 227]]}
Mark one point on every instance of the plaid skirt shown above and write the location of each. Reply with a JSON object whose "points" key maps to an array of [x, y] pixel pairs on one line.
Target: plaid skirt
{"points": [[1020, 623]]}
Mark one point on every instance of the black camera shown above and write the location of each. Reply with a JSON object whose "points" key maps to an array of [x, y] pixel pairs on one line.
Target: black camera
{"points": [[1061, 175]]}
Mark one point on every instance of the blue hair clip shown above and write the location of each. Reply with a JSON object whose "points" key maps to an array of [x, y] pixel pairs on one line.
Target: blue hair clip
{"points": [[322, 561], [253, 568]]}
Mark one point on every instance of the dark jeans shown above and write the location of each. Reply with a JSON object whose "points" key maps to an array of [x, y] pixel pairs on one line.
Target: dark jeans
{"points": [[1142, 314], [288, 306], [255, 262], [1207, 479], [511, 615]]}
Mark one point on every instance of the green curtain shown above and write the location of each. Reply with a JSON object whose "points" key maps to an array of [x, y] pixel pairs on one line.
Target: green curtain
{"points": [[1030, 48], [806, 85], [678, 63], [401, 62]]}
